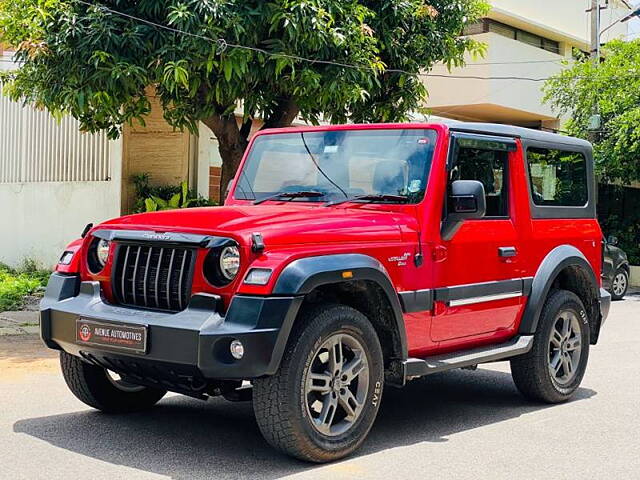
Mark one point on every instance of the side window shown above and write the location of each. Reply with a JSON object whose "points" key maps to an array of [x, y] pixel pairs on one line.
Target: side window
{"points": [[490, 168], [558, 178]]}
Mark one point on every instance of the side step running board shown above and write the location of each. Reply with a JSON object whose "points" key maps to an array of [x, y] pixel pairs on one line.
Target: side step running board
{"points": [[418, 367]]}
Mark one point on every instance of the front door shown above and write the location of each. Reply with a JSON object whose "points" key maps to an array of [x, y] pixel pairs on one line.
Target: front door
{"points": [[479, 285]]}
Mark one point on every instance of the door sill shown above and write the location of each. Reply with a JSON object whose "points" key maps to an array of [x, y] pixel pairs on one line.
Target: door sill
{"points": [[418, 367]]}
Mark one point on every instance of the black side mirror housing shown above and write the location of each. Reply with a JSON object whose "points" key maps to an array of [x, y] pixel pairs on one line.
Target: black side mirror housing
{"points": [[466, 201], [612, 240]]}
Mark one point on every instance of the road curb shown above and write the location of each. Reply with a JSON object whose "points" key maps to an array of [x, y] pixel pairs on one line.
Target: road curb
{"points": [[19, 323]]}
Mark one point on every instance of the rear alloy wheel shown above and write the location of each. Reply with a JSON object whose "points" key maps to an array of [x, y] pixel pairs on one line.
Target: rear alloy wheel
{"points": [[620, 284], [552, 370], [324, 398], [565, 347]]}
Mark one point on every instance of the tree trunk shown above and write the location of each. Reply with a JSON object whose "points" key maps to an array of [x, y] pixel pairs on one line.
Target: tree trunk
{"points": [[233, 138], [232, 142]]}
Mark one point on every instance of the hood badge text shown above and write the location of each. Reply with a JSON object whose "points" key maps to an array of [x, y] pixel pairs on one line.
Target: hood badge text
{"points": [[157, 236]]}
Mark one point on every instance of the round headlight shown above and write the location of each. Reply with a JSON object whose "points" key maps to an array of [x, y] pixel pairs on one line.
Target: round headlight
{"points": [[102, 252], [229, 262], [98, 255]]}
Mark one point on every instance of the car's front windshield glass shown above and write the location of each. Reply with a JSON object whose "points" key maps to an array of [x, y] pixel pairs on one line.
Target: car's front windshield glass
{"points": [[339, 164]]}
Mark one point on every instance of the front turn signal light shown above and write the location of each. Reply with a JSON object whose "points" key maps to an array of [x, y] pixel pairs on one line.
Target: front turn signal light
{"points": [[258, 276], [66, 258]]}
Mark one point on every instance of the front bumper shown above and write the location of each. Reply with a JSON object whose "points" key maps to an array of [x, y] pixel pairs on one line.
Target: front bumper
{"points": [[188, 347]]}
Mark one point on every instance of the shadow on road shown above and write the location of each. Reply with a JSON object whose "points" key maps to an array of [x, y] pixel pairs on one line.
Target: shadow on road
{"points": [[184, 438]]}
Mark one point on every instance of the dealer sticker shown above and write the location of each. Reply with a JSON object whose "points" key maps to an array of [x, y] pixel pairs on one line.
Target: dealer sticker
{"points": [[118, 337]]}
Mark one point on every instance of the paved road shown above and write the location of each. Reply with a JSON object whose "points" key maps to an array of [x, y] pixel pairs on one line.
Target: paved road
{"points": [[457, 425]]}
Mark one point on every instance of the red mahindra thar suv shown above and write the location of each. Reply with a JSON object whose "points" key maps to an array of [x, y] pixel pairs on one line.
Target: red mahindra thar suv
{"points": [[346, 259]]}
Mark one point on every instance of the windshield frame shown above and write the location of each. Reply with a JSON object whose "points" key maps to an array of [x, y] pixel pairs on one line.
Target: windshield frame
{"points": [[440, 133]]}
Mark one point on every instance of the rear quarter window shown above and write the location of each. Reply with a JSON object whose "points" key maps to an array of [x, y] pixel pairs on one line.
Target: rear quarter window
{"points": [[558, 177]]}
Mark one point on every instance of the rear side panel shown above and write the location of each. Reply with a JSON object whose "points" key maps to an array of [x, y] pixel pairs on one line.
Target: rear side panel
{"points": [[553, 226]]}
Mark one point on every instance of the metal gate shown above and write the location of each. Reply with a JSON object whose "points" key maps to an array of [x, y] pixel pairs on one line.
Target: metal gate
{"points": [[35, 147]]}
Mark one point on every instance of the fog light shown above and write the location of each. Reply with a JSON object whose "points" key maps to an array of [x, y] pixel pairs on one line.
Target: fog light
{"points": [[237, 349]]}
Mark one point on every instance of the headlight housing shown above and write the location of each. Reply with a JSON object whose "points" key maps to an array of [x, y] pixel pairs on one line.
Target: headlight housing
{"points": [[98, 254], [222, 264], [230, 262]]}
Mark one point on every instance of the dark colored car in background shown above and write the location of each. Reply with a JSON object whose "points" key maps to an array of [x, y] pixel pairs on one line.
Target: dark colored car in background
{"points": [[615, 271]]}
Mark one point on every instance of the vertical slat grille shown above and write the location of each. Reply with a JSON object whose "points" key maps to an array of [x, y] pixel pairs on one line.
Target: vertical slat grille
{"points": [[152, 276]]}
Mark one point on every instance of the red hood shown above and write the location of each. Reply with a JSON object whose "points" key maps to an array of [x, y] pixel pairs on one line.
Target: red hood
{"points": [[279, 225]]}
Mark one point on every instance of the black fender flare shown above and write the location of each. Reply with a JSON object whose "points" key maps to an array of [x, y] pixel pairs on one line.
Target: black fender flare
{"points": [[556, 260], [302, 276]]}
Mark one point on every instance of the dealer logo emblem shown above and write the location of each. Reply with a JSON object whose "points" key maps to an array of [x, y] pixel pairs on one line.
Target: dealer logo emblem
{"points": [[85, 333]]}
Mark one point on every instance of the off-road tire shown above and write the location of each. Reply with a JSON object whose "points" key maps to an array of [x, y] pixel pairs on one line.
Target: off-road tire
{"points": [[531, 371], [280, 403], [620, 295], [91, 385]]}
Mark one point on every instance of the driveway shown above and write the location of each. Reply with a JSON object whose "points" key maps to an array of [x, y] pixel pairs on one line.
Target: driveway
{"points": [[461, 424]]}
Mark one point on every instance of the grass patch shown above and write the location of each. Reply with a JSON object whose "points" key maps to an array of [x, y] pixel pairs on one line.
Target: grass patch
{"points": [[16, 284]]}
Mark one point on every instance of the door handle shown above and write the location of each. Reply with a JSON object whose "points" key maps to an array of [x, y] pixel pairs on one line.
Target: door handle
{"points": [[507, 252]]}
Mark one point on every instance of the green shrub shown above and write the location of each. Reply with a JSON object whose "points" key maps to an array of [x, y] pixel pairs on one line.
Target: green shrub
{"points": [[16, 284], [164, 197]]}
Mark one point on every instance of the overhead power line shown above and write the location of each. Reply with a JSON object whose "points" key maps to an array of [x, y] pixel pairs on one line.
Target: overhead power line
{"points": [[223, 45]]}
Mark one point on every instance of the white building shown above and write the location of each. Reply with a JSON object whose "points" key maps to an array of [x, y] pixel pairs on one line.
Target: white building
{"points": [[55, 179], [525, 40]]}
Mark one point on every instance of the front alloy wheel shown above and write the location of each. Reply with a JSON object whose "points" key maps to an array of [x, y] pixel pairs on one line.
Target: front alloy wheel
{"points": [[324, 398], [106, 390], [336, 386]]}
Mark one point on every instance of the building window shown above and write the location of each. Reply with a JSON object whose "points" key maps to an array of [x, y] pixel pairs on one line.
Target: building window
{"points": [[558, 178], [488, 25]]}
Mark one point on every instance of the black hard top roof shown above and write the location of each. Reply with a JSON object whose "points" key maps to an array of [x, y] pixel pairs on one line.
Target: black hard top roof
{"points": [[520, 132]]}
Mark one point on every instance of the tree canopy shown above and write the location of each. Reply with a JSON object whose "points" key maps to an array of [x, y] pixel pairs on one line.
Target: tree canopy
{"points": [[611, 88], [208, 58]]}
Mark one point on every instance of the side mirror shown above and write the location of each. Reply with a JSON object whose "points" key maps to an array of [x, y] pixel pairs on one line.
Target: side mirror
{"points": [[466, 201], [612, 240]]}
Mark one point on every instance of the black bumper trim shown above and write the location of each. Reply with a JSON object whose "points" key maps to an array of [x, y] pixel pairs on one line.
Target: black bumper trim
{"points": [[196, 339], [605, 304]]}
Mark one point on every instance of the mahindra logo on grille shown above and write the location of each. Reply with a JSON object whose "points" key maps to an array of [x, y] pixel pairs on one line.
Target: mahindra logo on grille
{"points": [[157, 236]]}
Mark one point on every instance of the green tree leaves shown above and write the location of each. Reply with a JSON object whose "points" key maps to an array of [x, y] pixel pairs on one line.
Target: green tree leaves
{"points": [[94, 61], [611, 88]]}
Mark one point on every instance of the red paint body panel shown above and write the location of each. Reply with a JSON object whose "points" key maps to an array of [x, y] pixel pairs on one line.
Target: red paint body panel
{"points": [[293, 230]]}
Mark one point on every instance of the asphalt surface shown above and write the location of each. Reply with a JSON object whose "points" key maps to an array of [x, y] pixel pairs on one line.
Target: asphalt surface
{"points": [[461, 424]]}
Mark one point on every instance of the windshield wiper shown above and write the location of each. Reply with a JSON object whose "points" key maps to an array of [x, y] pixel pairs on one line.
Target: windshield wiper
{"points": [[298, 194], [372, 197]]}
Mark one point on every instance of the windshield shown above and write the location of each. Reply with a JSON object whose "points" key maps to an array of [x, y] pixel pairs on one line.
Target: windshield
{"points": [[339, 164]]}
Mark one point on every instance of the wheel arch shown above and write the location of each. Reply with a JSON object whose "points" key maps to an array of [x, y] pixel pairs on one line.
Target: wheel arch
{"points": [[624, 266], [356, 280], [565, 267]]}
